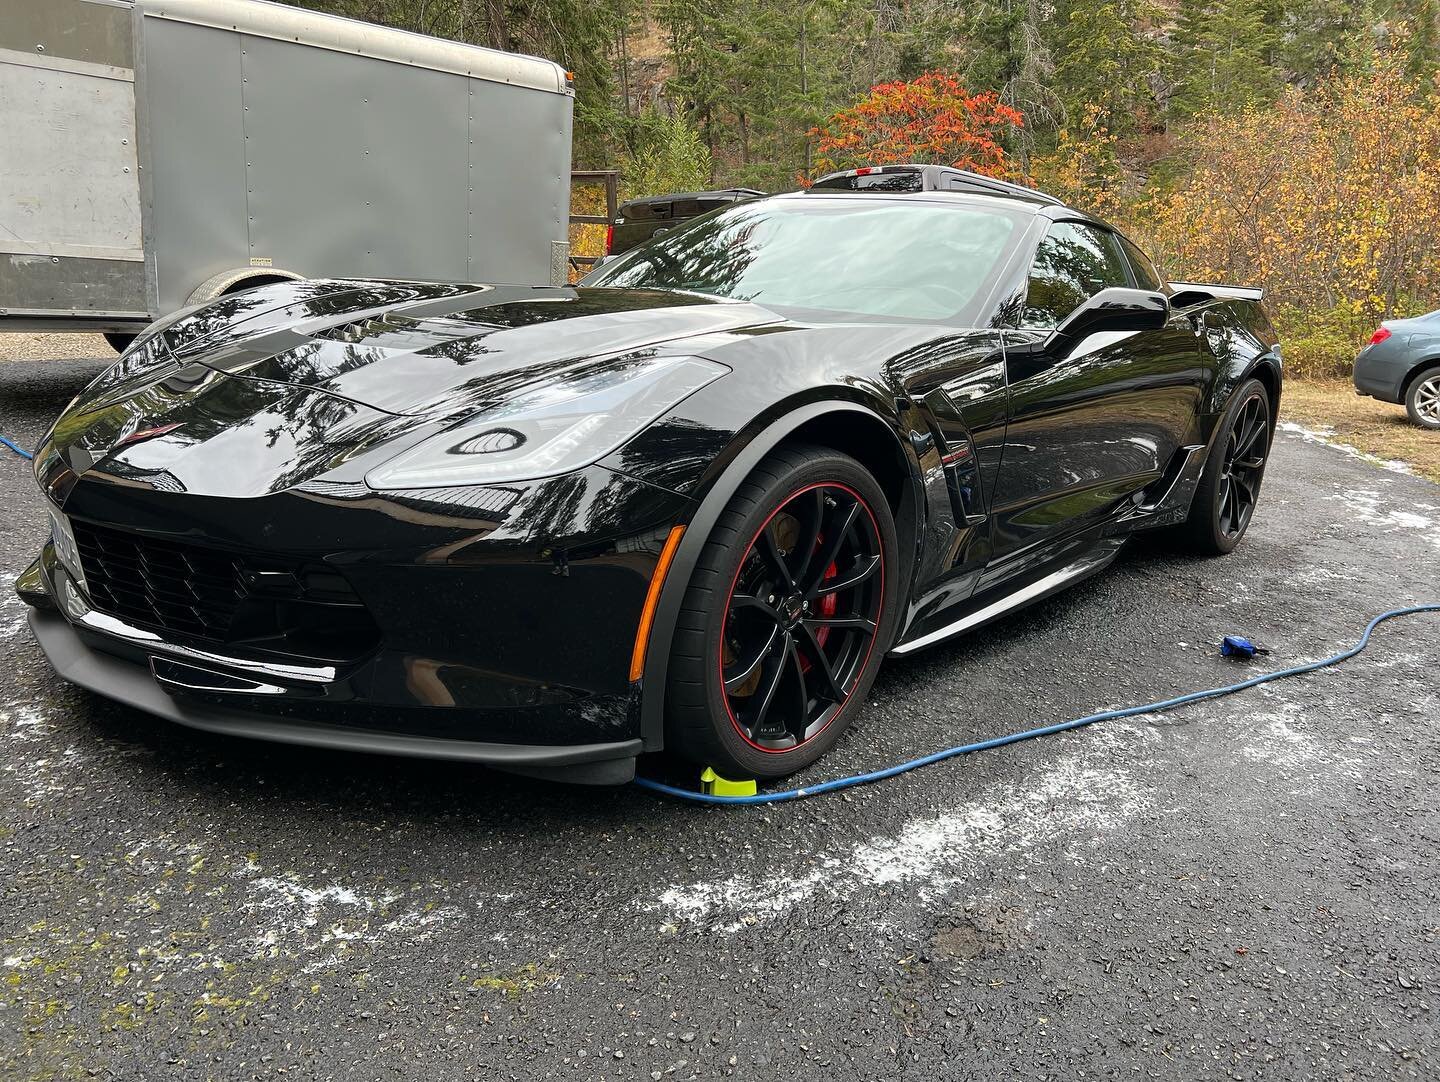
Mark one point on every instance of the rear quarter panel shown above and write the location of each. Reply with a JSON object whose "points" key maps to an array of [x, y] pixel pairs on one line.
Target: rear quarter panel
{"points": [[1241, 339]]}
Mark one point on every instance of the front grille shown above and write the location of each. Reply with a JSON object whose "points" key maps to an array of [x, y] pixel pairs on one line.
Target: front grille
{"points": [[175, 587], [304, 610]]}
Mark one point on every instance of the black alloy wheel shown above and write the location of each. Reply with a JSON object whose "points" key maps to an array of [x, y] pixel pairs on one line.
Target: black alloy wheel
{"points": [[786, 617], [1229, 488], [801, 617], [1246, 447]]}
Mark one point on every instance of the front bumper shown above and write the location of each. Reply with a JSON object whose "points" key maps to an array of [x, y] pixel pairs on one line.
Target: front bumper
{"points": [[496, 642]]}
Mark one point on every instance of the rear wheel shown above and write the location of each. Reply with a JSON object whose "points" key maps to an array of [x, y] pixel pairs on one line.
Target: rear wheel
{"points": [[1230, 486], [1422, 400], [119, 342], [786, 617]]}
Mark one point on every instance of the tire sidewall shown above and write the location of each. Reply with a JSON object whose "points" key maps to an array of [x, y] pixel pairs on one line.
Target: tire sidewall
{"points": [[835, 469]]}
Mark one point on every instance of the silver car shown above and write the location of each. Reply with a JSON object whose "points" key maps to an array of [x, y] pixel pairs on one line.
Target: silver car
{"points": [[1402, 364]]}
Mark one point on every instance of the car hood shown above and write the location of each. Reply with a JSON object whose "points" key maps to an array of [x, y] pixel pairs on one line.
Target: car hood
{"points": [[405, 348], [274, 389]]}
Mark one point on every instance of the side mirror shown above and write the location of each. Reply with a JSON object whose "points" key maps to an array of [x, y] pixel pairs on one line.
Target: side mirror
{"points": [[1111, 310]]}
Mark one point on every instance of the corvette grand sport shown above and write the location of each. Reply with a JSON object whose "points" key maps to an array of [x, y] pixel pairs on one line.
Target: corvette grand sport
{"points": [[688, 504]]}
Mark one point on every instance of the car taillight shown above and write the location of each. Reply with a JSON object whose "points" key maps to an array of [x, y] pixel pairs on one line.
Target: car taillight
{"points": [[1380, 336], [609, 238]]}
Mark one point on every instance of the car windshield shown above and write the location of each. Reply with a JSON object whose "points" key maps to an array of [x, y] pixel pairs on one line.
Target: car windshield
{"points": [[920, 261]]}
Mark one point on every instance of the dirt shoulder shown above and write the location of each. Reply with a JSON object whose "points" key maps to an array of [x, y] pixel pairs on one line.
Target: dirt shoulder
{"points": [[1334, 411]]}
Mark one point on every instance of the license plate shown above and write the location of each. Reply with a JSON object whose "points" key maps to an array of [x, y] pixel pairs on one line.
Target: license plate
{"points": [[66, 549]]}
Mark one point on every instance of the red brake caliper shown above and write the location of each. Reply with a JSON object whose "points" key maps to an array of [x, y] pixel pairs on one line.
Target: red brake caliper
{"points": [[828, 606]]}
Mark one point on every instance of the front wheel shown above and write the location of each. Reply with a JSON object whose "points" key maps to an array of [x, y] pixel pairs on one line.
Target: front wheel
{"points": [[787, 615], [1422, 400]]}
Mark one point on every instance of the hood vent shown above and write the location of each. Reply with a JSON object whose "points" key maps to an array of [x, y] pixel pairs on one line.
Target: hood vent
{"points": [[367, 328]]}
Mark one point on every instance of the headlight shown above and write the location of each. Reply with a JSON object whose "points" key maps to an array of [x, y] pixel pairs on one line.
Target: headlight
{"points": [[550, 430]]}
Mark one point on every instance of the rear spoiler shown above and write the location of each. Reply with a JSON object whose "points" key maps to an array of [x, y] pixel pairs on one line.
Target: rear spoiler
{"points": [[1188, 294]]}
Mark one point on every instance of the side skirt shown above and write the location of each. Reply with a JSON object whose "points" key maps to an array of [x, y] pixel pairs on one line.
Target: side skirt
{"points": [[1168, 500], [1096, 559]]}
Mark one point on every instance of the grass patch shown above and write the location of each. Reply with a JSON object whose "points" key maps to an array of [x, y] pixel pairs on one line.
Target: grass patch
{"points": [[1377, 428]]}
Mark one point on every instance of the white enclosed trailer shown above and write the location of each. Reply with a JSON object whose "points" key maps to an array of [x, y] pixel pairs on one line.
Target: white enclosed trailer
{"points": [[158, 153]]}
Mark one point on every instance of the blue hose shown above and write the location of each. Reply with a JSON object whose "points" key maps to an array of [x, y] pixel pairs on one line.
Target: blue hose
{"points": [[1030, 734], [16, 448]]}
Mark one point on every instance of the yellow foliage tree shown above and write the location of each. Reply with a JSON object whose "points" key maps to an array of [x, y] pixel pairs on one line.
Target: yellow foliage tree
{"points": [[1329, 200], [1084, 169]]}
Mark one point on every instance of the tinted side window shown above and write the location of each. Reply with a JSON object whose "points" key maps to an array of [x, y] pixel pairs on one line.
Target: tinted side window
{"points": [[1146, 276], [1072, 264]]}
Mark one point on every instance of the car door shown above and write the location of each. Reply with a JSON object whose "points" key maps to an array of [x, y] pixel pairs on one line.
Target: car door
{"points": [[1092, 427]]}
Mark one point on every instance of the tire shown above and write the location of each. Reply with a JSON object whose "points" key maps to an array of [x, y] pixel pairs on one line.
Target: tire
{"points": [[119, 342], [764, 678], [1234, 469], [1422, 399]]}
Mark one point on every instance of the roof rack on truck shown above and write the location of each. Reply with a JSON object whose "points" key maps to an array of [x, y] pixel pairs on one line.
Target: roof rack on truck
{"points": [[926, 178]]}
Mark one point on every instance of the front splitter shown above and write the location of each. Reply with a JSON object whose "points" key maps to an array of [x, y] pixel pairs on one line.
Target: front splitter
{"points": [[133, 685]]}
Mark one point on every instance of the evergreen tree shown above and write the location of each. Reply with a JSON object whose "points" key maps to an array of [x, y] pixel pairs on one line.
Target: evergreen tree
{"points": [[1223, 56], [1106, 56], [1319, 38], [1007, 52]]}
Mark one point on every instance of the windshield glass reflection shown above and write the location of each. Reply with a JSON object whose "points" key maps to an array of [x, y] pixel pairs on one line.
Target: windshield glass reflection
{"points": [[920, 262]]}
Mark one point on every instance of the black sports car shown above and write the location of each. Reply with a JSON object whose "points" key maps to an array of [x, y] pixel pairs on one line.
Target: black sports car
{"points": [[687, 504]]}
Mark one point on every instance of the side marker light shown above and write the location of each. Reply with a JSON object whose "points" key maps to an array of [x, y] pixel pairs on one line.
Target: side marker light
{"points": [[652, 600]]}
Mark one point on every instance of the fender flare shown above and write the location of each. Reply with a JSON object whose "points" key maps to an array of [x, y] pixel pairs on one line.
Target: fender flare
{"points": [[697, 532], [1270, 364], [1413, 374]]}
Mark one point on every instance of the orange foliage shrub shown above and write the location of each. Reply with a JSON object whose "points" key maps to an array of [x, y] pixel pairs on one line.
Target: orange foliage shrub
{"points": [[930, 119]]}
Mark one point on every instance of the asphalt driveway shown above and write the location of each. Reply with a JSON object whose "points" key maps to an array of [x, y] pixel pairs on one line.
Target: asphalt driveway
{"points": [[1245, 888]]}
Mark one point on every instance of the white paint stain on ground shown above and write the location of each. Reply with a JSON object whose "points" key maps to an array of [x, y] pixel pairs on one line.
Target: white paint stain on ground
{"points": [[298, 919], [288, 917], [1325, 437], [1369, 506], [1316, 575], [23, 724], [12, 609], [1072, 802], [43, 776], [1278, 738]]}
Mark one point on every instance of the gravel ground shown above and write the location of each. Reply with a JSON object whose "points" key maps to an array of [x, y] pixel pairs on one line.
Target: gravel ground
{"points": [[51, 347], [1242, 889]]}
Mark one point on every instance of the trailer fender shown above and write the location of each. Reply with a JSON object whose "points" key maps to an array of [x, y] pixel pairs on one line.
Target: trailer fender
{"points": [[237, 279]]}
